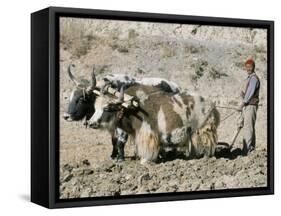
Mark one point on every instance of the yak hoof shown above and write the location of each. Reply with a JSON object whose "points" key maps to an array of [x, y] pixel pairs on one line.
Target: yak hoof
{"points": [[112, 158], [143, 161], [120, 160]]}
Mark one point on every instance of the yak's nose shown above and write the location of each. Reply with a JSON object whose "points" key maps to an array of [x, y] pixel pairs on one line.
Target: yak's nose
{"points": [[94, 125], [66, 116]]}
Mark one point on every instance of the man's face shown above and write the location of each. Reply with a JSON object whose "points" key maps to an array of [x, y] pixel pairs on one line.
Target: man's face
{"points": [[249, 68]]}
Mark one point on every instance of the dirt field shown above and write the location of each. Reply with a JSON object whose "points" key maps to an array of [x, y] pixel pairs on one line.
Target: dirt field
{"points": [[202, 60], [86, 170]]}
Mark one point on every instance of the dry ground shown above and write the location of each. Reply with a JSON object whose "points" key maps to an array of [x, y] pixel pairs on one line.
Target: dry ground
{"points": [[202, 60]]}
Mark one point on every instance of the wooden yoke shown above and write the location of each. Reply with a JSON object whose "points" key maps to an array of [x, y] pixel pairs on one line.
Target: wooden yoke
{"points": [[128, 99]]}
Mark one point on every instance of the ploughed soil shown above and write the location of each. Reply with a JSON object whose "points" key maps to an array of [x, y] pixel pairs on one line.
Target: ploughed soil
{"points": [[87, 171]]}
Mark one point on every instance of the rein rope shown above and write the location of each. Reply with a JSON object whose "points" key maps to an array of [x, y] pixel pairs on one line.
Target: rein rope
{"points": [[230, 108], [226, 107], [231, 114]]}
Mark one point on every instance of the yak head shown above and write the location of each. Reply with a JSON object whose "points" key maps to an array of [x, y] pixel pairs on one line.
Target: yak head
{"points": [[107, 110], [82, 98]]}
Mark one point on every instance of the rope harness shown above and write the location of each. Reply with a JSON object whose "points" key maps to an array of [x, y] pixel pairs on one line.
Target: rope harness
{"points": [[231, 114], [120, 113]]}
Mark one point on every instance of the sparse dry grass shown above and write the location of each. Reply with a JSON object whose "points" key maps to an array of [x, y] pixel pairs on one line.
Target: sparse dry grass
{"points": [[77, 38], [167, 51], [216, 74], [260, 49]]}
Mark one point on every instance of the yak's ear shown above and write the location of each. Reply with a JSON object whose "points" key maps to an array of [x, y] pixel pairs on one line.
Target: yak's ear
{"points": [[93, 78], [72, 78]]}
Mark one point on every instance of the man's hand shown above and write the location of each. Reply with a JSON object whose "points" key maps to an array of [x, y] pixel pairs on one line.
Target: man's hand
{"points": [[240, 108]]}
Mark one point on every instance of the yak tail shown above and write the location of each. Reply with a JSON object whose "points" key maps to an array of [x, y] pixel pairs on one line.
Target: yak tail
{"points": [[205, 138], [147, 143]]}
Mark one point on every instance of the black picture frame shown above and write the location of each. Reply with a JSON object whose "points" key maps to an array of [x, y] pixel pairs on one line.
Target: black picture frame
{"points": [[45, 100]]}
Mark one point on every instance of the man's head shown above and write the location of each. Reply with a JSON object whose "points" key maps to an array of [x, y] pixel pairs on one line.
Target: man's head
{"points": [[250, 66]]}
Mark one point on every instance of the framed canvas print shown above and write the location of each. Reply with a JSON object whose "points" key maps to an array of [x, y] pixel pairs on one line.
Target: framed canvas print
{"points": [[139, 107]]}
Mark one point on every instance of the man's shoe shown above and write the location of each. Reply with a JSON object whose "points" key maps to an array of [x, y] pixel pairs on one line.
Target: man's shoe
{"points": [[251, 148], [245, 151]]}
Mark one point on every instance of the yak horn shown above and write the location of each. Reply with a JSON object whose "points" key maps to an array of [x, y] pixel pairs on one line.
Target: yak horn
{"points": [[118, 94], [71, 75], [121, 95], [93, 79]]}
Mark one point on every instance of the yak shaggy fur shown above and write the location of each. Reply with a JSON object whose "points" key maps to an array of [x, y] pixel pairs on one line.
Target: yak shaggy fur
{"points": [[147, 143], [165, 120], [204, 140]]}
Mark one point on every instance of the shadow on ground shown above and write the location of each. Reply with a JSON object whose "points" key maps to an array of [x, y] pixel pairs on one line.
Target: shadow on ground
{"points": [[223, 150]]}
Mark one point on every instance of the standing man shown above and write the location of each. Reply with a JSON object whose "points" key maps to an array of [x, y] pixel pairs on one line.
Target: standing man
{"points": [[249, 107]]}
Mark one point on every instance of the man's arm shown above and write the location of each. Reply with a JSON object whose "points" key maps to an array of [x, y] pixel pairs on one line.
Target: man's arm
{"points": [[251, 89]]}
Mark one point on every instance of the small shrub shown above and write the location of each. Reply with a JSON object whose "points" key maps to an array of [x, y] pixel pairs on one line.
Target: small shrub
{"points": [[113, 46], [76, 37], [260, 49], [239, 64], [123, 49], [91, 37], [167, 52], [83, 47], [215, 74], [237, 53], [199, 68], [140, 71], [101, 69], [199, 71], [191, 49], [233, 103], [132, 34], [194, 31]]}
